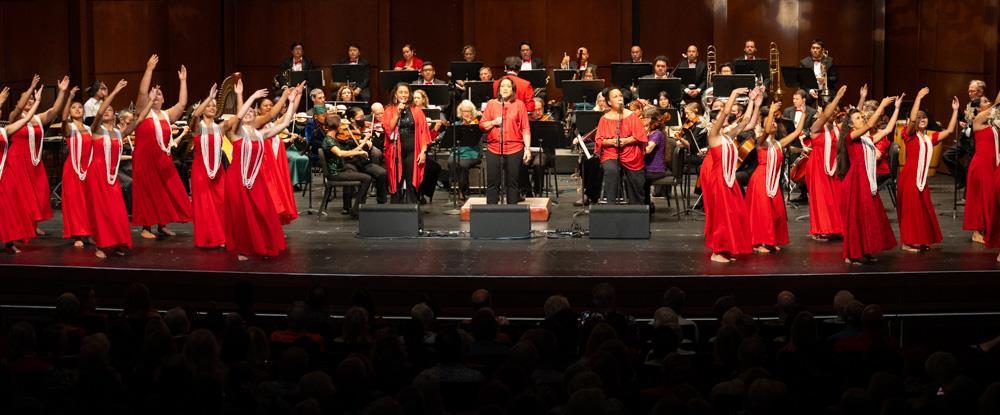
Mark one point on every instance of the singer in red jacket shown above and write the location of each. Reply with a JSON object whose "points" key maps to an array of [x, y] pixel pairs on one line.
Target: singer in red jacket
{"points": [[525, 92], [509, 136], [621, 141]]}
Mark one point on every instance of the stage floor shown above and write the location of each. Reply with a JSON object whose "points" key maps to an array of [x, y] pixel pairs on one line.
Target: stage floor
{"points": [[327, 249]]}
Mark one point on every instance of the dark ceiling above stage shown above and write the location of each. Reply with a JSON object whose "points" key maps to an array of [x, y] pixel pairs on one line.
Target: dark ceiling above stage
{"points": [[925, 41]]}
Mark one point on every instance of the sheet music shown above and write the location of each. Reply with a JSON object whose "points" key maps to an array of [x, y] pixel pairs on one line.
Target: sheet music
{"points": [[583, 146]]}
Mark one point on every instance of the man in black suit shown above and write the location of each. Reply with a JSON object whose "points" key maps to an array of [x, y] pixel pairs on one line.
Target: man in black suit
{"points": [[635, 53], [818, 63], [296, 62], [528, 61], [360, 85], [749, 51], [659, 69], [583, 62], [799, 108], [427, 76], [692, 92]]}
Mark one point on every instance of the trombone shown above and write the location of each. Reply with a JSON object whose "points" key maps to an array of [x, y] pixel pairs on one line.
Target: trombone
{"points": [[774, 66], [710, 63]]}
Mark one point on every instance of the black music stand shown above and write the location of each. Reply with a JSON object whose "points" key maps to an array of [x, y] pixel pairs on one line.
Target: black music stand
{"points": [[464, 71], [649, 89], [760, 67], [561, 75], [478, 92], [438, 94], [787, 124], [582, 91], [366, 107], [389, 79], [723, 85], [535, 76], [313, 78], [546, 136], [586, 121], [687, 75], [459, 136], [624, 74], [799, 77], [431, 114], [348, 73]]}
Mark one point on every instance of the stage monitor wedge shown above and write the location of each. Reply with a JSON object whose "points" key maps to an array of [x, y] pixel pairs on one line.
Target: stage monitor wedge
{"points": [[389, 221], [619, 222], [500, 221]]}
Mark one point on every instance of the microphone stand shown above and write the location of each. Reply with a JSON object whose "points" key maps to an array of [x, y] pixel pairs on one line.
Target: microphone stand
{"points": [[618, 153], [503, 157]]}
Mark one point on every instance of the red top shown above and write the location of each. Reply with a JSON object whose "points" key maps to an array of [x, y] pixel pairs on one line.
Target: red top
{"points": [[417, 63], [882, 166], [522, 88], [515, 126], [632, 154]]}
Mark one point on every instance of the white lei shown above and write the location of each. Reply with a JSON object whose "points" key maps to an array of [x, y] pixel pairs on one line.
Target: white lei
{"points": [[75, 146], [36, 154], [275, 141], [6, 145], [829, 163], [869, 147], [772, 179], [730, 158], [159, 130], [996, 147], [212, 167], [926, 144], [246, 150], [112, 176]]}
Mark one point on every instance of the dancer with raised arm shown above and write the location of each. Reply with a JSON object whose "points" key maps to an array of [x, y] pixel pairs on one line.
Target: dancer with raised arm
{"points": [[75, 202], [17, 223]]}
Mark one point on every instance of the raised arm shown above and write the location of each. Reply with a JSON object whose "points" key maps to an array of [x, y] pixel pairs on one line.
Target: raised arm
{"points": [[891, 125], [200, 109], [873, 119], [862, 96], [140, 116], [263, 119], [980, 121], [98, 119], [747, 124], [4, 94], [23, 100], [228, 125], [246, 107], [147, 78], [177, 111], [792, 136], [769, 127], [954, 120], [911, 123], [828, 111], [717, 125], [65, 109], [20, 122], [286, 119], [48, 116]]}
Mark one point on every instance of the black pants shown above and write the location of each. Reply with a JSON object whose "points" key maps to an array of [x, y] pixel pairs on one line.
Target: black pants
{"points": [[635, 181], [533, 178], [366, 182], [378, 176], [405, 191], [461, 172], [432, 171], [592, 174], [650, 178], [509, 167], [953, 159]]}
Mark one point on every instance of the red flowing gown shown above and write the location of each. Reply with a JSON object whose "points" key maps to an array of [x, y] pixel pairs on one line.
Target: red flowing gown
{"points": [[35, 197], [252, 225], [207, 195], [75, 203], [979, 185], [768, 218], [158, 196], [918, 223], [824, 189], [279, 181], [866, 226], [992, 236], [108, 217], [16, 222], [725, 208]]}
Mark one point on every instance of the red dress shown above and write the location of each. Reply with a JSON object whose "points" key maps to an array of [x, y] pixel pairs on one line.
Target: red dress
{"points": [[36, 197], [252, 225], [279, 181], [16, 222], [979, 185], [208, 188], [75, 203], [866, 226], [992, 237], [108, 217], [824, 186], [725, 208], [918, 224], [768, 219], [158, 196]]}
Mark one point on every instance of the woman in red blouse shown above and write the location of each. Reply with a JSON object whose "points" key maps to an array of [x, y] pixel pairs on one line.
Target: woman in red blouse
{"points": [[621, 142], [410, 61], [506, 122]]}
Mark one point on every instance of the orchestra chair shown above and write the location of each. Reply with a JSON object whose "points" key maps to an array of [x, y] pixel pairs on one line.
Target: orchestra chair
{"points": [[330, 184]]}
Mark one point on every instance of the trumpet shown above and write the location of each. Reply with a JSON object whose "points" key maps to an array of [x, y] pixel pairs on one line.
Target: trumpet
{"points": [[774, 66], [710, 64]]}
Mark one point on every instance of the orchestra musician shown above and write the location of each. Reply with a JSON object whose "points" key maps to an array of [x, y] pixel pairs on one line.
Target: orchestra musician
{"points": [[621, 142], [294, 63], [337, 152], [525, 93], [693, 92], [655, 161], [822, 65], [410, 61], [468, 53], [318, 98], [659, 69], [352, 135], [635, 54], [346, 94], [432, 170], [542, 158], [427, 74], [465, 157], [581, 63], [97, 91], [508, 139], [528, 61], [361, 86], [749, 51], [485, 74]]}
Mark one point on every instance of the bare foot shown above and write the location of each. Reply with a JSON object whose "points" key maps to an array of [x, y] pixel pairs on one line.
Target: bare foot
{"points": [[14, 249], [146, 234], [241, 257], [852, 261], [100, 254], [819, 238], [909, 248], [40, 232], [720, 258], [762, 250], [998, 257], [78, 243], [777, 248], [165, 231], [978, 237]]}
